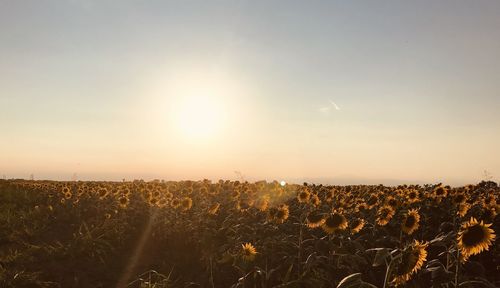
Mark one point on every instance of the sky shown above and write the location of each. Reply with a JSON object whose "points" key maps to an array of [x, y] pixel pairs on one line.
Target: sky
{"points": [[341, 92]]}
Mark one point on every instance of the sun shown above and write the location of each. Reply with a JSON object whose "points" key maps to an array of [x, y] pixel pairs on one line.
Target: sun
{"points": [[199, 116]]}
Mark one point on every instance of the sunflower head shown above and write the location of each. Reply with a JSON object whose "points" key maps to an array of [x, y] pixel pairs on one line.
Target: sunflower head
{"points": [[314, 219], [262, 203], [304, 196], [410, 221], [440, 192], [356, 225], [335, 222], [248, 252], [459, 198], [123, 201], [474, 237], [175, 203], [186, 203], [282, 214], [384, 215], [462, 209], [315, 200], [412, 259]]}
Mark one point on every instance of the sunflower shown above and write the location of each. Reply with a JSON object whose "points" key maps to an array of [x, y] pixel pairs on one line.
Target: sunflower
{"points": [[336, 221], [410, 222], [66, 189], [459, 198], [412, 196], [440, 192], [315, 200], [235, 194], [356, 225], [314, 219], [361, 207], [123, 201], [102, 192], [67, 195], [262, 203], [384, 215], [186, 203], [489, 214], [474, 237], [152, 201], [162, 203], [248, 252], [214, 209], [303, 196], [372, 201], [329, 195], [391, 201], [282, 214], [244, 204], [412, 260], [462, 209], [175, 203]]}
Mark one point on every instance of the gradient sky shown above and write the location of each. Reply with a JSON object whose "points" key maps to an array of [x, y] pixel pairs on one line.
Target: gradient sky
{"points": [[104, 88]]}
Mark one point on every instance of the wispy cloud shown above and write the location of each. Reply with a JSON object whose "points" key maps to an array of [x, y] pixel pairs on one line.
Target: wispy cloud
{"points": [[332, 106]]}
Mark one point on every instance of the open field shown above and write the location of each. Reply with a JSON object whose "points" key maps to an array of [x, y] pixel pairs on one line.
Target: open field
{"points": [[232, 234]]}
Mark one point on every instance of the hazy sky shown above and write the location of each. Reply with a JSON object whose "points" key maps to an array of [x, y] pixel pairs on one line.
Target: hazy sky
{"points": [[350, 91]]}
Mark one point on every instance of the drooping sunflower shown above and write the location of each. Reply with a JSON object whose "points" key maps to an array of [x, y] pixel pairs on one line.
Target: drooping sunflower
{"points": [[248, 252], [412, 260], [314, 219], [410, 222], [384, 215], [356, 225], [335, 222], [474, 237]]}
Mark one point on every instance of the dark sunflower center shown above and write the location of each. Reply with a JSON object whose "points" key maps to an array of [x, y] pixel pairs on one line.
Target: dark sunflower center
{"points": [[280, 214], [335, 220], [408, 262], [412, 195], [439, 191], [372, 200], [410, 221], [314, 218], [473, 235]]}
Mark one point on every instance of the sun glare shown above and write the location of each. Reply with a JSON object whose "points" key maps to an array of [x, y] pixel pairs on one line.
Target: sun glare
{"points": [[198, 116]]}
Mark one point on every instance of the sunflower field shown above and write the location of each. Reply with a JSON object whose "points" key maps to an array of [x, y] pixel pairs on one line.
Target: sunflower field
{"points": [[240, 234]]}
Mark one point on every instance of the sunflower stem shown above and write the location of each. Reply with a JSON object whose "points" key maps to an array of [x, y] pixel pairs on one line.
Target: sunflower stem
{"points": [[387, 271]]}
